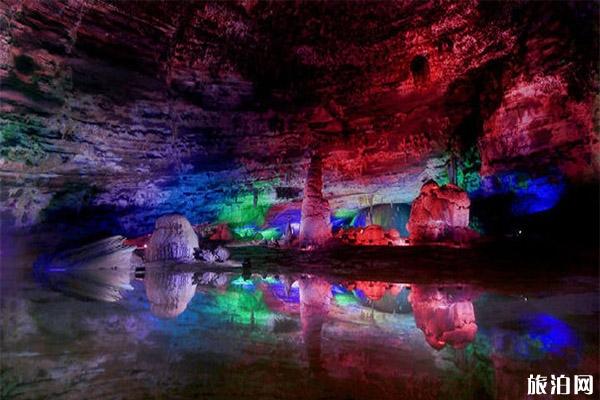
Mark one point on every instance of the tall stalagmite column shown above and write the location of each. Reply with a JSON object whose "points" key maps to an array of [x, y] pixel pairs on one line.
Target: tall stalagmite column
{"points": [[315, 224]]}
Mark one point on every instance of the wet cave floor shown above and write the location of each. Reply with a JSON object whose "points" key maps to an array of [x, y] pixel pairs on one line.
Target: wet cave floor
{"points": [[409, 322]]}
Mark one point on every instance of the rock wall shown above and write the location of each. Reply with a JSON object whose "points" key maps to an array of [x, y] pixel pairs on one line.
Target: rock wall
{"points": [[114, 113]]}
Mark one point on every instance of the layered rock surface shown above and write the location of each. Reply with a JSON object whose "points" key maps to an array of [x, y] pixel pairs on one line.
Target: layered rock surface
{"points": [[173, 239], [439, 213], [114, 113]]}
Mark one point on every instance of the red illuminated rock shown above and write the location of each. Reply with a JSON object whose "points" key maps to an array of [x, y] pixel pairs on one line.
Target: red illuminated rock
{"points": [[140, 242], [372, 235], [221, 232], [439, 213], [375, 290], [445, 315], [173, 239], [315, 225], [108, 105], [536, 115]]}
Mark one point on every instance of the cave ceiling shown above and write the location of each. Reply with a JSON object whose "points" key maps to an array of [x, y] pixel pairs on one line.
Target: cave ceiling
{"points": [[142, 108]]}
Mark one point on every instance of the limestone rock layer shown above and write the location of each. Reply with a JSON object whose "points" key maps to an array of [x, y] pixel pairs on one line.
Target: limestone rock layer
{"points": [[113, 113]]}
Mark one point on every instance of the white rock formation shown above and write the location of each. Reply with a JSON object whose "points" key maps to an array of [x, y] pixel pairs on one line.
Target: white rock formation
{"points": [[173, 239]]}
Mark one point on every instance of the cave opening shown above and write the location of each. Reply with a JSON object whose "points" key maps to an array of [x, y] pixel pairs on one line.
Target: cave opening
{"points": [[419, 67]]}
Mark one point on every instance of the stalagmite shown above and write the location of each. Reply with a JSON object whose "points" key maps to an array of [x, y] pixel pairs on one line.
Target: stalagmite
{"points": [[173, 239], [315, 225]]}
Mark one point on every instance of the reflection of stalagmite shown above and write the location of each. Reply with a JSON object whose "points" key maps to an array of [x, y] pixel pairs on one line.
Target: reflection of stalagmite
{"points": [[375, 290], [315, 225], [169, 293], [173, 239], [315, 298], [445, 315]]}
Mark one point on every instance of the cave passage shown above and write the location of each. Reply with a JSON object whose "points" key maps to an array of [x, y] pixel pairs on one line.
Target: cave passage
{"points": [[335, 199]]}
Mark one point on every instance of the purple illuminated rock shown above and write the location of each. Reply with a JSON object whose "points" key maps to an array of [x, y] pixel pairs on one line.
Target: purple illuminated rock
{"points": [[315, 225], [173, 239]]}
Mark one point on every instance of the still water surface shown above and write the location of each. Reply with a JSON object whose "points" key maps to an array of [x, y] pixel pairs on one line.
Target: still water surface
{"points": [[177, 331]]}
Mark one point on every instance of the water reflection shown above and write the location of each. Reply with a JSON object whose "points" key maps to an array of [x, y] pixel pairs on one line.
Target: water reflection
{"points": [[315, 300], [444, 314], [169, 293], [100, 271], [267, 331]]}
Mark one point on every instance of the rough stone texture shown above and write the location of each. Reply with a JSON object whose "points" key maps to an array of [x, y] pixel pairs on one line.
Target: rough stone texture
{"points": [[218, 255], [445, 315], [537, 116], [173, 239], [113, 113], [315, 225], [169, 293], [372, 235], [439, 213]]}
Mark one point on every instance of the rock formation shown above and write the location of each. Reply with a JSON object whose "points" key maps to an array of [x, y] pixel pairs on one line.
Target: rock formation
{"points": [[439, 213], [315, 225], [445, 315], [173, 239], [375, 290], [169, 292], [114, 113], [371, 235], [218, 255]]}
